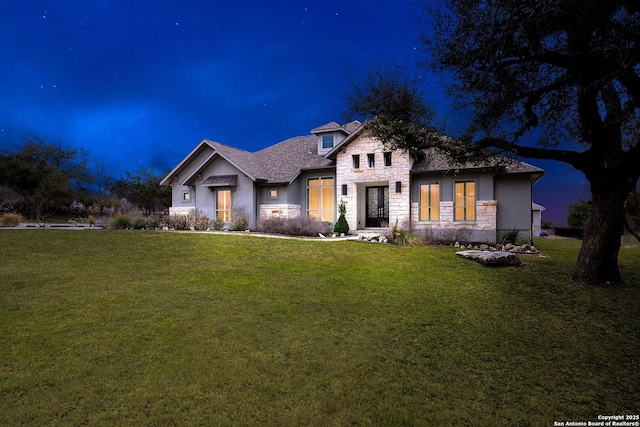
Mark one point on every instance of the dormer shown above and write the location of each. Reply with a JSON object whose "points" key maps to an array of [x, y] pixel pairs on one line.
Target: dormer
{"points": [[332, 134]]}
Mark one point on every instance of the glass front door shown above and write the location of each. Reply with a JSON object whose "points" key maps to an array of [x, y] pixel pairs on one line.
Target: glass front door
{"points": [[377, 206]]}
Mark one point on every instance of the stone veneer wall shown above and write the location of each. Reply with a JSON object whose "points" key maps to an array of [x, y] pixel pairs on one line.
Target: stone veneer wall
{"points": [[282, 210], [357, 179], [177, 210], [482, 229]]}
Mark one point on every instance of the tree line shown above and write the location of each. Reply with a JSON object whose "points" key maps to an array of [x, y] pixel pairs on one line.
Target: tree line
{"points": [[40, 180]]}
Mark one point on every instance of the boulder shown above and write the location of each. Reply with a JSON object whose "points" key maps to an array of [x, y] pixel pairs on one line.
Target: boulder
{"points": [[489, 258]]}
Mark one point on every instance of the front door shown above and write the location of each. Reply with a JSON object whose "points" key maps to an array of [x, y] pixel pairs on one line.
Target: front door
{"points": [[377, 206]]}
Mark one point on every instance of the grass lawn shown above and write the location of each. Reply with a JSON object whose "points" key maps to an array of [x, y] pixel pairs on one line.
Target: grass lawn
{"points": [[145, 328]]}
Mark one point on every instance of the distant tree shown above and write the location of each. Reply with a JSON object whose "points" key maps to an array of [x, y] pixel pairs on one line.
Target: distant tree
{"points": [[47, 177], [578, 213], [103, 172], [143, 190], [556, 80]]}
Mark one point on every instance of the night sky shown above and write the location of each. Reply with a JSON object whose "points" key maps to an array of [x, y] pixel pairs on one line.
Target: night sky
{"points": [[139, 83]]}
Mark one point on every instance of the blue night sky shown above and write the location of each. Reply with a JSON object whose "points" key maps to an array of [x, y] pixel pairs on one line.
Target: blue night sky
{"points": [[140, 83]]}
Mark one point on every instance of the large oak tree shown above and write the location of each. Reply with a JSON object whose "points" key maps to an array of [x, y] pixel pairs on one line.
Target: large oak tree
{"points": [[546, 79]]}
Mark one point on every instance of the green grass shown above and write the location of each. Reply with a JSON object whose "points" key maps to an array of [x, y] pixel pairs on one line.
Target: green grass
{"points": [[146, 328]]}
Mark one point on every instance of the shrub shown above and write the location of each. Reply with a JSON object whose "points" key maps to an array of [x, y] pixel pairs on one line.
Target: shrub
{"points": [[404, 237], [217, 223], [179, 222], [150, 222], [341, 224], [299, 226], [239, 219], [510, 236], [10, 220], [201, 223], [120, 222]]}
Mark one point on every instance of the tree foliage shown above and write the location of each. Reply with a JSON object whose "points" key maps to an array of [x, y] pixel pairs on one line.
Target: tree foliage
{"points": [[578, 213], [144, 190], [40, 178], [557, 80]]}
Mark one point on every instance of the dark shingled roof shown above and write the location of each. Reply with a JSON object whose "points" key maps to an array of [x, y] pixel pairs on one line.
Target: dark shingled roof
{"points": [[284, 161], [436, 162], [278, 163]]}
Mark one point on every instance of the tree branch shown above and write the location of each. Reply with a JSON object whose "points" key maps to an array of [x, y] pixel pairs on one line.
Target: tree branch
{"points": [[574, 158]]}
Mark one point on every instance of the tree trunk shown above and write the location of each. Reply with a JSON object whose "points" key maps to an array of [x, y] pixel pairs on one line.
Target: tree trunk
{"points": [[598, 258]]}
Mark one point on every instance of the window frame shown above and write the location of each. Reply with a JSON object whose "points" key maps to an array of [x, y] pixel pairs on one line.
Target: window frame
{"points": [[271, 196], [355, 159], [371, 160], [387, 158], [323, 186], [467, 209], [324, 143], [429, 207], [226, 211], [186, 196]]}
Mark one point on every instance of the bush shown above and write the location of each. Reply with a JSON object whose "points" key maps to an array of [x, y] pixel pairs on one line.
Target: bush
{"points": [[150, 222], [217, 223], [179, 222], [121, 222], [404, 237], [10, 220], [239, 219], [201, 223], [510, 236], [341, 224], [300, 226]]}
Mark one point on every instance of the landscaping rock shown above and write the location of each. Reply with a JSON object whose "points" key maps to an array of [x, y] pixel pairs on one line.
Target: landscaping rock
{"points": [[489, 258]]}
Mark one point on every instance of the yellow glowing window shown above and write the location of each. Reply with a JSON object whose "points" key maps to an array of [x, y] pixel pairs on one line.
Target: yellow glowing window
{"points": [[223, 205], [321, 199], [430, 202], [465, 201]]}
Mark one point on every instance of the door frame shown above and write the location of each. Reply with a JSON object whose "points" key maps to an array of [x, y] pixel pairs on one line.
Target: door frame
{"points": [[376, 222]]}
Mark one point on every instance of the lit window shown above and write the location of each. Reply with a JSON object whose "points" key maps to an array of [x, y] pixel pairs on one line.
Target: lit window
{"points": [[320, 199], [465, 201], [371, 160], [327, 141], [387, 158], [272, 194], [223, 205], [186, 196], [430, 201], [356, 161]]}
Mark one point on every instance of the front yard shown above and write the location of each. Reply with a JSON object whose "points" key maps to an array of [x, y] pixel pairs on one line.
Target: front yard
{"points": [[150, 328]]}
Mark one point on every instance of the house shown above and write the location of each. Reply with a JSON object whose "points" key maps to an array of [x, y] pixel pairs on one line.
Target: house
{"points": [[537, 218], [310, 175]]}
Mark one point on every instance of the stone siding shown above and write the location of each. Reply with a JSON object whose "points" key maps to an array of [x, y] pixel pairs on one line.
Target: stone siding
{"points": [[481, 230], [178, 210], [282, 210], [357, 179]]}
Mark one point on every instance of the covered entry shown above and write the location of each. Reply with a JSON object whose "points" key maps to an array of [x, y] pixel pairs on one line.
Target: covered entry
{"points": [[377, 206]]}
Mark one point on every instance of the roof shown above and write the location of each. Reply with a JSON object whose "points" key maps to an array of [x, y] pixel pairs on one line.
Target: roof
{"points": [[333, 126], [433, 161], [279, 163], [283, 162], [221, 181]]}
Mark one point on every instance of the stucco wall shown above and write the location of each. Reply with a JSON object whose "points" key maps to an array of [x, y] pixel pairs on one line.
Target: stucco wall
{"points": [[203, 198], [514, 210]]}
